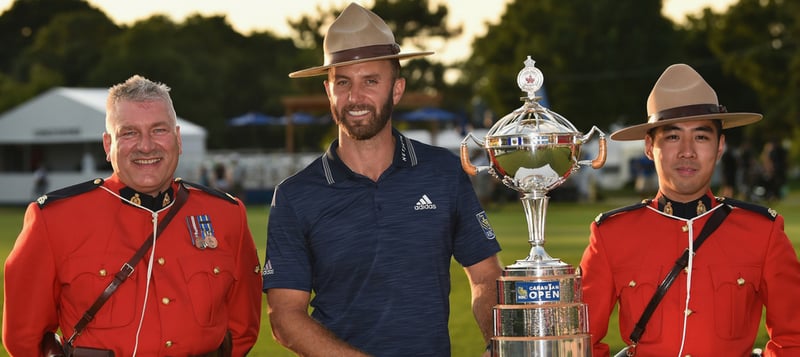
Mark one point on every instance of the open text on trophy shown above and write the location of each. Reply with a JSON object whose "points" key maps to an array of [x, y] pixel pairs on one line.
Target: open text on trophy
{"points": [[534, 150]]}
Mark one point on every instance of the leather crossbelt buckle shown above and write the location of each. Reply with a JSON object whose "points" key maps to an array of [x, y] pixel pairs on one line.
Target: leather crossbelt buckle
{"points": [[127, 269]]}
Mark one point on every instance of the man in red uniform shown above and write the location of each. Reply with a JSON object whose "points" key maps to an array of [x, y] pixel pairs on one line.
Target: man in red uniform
{"points": [[199, 283], [715, 304]]}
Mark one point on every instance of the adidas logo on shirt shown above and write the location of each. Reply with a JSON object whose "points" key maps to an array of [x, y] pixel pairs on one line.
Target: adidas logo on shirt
{"points": [[424, 203]]}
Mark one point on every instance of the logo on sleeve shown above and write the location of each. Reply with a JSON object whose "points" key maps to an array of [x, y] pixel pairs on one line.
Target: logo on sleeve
{"points": [[267, 269], [483, 220]]}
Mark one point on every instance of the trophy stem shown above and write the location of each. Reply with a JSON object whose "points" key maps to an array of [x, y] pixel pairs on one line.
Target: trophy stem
{"points": [[535, 204]]}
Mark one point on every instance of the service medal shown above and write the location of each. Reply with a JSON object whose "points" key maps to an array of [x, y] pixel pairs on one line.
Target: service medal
{"points": [[199, 242], [195, 237], [208, 231], [211, 241]]}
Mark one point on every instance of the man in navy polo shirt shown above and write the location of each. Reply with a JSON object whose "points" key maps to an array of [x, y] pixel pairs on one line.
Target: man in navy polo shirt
{"points": [[371, 226]]}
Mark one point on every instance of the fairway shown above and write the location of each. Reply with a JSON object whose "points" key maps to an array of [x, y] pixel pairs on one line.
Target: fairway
{"points": [[567, 231]]}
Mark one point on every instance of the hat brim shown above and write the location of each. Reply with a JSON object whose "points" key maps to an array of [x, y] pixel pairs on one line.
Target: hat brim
{"points": [[729, 120], [320, 70]]}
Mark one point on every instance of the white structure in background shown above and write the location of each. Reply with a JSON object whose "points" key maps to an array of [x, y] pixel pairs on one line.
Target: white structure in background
{"points": [[617, 170], [62, 129]]}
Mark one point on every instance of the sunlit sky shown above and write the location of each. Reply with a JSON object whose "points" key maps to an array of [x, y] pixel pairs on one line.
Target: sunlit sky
{"points": [[249, 15]]}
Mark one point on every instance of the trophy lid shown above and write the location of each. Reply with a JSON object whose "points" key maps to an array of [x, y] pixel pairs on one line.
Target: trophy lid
{"points": [[533, 121]]}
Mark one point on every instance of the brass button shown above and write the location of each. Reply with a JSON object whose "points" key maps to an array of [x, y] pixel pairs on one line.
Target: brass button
{"points": [[686, 270], [168, 344], [257, 269], [103, 272], [685, 228], [740, 281], [165, 301], [632, 283], [689, 312], [217, 270], [162, 261]]}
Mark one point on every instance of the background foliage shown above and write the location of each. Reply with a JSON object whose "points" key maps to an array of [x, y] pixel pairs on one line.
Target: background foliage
{"points": [[600, 59]]}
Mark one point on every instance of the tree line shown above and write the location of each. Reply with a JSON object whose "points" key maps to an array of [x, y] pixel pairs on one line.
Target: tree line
{"points": [[600, 59]]}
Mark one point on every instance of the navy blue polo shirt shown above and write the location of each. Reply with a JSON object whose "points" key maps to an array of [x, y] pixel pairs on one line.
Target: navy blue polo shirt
{"points": [[377, 254]]}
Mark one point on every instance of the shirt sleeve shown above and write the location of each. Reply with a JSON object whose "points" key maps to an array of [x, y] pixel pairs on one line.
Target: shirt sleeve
{"points": [[598, 290], [288, 262], [781, 281], [245, 300], [30, 287], [475, 239]]}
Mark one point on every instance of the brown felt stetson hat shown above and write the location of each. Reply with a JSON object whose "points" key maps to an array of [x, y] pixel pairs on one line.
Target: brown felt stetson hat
{"points": [[357, 35], [680, 95]]}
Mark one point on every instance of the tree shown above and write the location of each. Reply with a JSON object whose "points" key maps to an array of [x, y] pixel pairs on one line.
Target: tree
{"points": [[732, 92], [599, 58], [215, 72], [757, 42], [69, 44], [20, 24]]}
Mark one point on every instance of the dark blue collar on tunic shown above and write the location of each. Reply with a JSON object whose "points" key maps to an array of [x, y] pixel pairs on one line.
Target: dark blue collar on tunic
{"points": [[685, 210], [152, 203]]}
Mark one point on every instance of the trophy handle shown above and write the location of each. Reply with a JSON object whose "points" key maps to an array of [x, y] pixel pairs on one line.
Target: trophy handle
{"points": [[600, 159], [466, 163]]}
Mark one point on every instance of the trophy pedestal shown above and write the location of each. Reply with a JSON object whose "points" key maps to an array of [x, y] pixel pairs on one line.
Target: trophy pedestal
{"points": [[534, 150], [539, 312]]}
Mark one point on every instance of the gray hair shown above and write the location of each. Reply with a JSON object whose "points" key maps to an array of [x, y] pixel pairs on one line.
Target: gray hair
{"points": [[137, 89]]}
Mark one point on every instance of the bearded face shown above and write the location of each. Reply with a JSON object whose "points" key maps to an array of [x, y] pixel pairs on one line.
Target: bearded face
{"points": [[370, 120], [362, 97]]}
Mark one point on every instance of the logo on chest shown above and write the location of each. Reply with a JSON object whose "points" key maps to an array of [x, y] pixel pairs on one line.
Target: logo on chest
{"points": [[424, 203]]}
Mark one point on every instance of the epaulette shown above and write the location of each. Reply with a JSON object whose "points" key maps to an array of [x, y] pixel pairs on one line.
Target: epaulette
{"points": [[764, 211], [602, 216], [68, 191], [211, 191]]}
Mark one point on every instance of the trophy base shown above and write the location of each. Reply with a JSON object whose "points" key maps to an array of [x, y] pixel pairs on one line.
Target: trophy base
{"points": [[574, 346], [539, 311], [546, 321]]}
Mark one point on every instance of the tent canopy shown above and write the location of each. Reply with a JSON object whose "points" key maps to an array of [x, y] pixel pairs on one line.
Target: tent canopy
{"points": [[68, 115], [254, 119]]}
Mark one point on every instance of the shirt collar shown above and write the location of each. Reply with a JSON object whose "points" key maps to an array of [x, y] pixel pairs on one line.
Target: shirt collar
{"points": [[130, 195], [686, 210], [336, 171]]}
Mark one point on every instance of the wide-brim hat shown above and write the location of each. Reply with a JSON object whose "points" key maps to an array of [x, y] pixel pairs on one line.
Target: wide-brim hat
{"points": [[357, 35], [680, 95]]}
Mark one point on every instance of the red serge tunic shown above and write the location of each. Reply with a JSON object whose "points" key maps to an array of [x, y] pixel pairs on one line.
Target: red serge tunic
{"points": [[747, 264], [71, 246]]}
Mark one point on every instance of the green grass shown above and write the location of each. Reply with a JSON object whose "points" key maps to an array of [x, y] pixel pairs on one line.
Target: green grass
{"points": [[567, 231]]}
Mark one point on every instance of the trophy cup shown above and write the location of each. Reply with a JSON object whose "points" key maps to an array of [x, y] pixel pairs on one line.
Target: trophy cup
{"points": [[534, 150]]}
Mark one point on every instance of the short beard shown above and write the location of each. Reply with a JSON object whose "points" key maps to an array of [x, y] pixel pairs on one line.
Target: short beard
{"points": [[373, 126]]}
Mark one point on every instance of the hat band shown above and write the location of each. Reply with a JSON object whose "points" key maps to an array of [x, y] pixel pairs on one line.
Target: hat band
{"points": [[364, 52], [687, 111]]}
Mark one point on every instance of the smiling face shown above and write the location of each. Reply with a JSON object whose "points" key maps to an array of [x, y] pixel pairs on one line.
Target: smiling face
{"points": [[362, 97], [143, 144], [685, 155]]}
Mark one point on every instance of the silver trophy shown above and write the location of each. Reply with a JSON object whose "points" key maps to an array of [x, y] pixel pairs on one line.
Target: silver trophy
{"points": [[534, 150]]}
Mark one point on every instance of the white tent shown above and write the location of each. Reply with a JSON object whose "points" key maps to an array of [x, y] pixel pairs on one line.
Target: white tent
{"points": [[62, 129]]}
